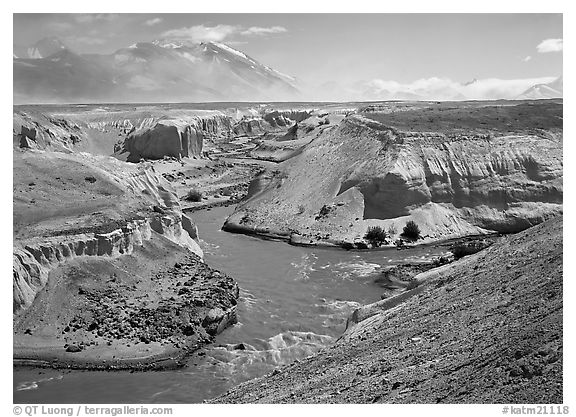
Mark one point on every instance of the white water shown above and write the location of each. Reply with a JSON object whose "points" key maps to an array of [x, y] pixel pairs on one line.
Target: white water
{"points": [[293, 302]]}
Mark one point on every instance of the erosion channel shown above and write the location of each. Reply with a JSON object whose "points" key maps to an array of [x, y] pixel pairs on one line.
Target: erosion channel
{"points": [[293, 302]]}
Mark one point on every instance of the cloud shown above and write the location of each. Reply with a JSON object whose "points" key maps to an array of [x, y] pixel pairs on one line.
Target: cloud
{"points": [[218, 33], [94, 17], [435, 88], [256, 30], [59, 26], [84, 40], [550, 45], [202, 33], [154, 21], [526, 59], [495, 88]]}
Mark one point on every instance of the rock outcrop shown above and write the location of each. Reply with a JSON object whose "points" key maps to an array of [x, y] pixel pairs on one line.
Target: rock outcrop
{"points": [[147, 310], [34, 258], [167, 138], [178, 138], [364, 173], [284, 118], [134, 205], [34, 130]]}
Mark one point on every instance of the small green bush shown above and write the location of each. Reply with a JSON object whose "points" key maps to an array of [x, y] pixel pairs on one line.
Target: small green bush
{"points": [[376, 236], [194, 195], [411, 231], [347, 245], [463, 249], [440, 261]]}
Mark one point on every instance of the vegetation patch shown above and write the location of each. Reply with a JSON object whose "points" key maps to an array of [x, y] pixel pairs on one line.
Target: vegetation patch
{"points": [[411, 231], [376, 236], [463, 249], [193, 195]]}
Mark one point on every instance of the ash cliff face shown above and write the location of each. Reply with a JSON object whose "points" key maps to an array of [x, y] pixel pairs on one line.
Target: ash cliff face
{"points": [[173, 138], [136, 134], [366, 173], [134, 205]]}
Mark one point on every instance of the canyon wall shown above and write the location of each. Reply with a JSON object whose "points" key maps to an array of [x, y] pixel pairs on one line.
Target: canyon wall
{"points": [[104, 208], [34, 130], [365, 173], [34, 258], [174, 138], [152, 133]]}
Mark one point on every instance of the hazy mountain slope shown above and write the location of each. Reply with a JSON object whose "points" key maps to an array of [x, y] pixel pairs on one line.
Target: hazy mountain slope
{"points": [[61, 77], [554, 89], [41, 49], [158, 71]]}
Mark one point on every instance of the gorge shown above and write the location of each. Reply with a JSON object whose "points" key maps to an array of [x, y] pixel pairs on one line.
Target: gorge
{"points": [[116, 266]]}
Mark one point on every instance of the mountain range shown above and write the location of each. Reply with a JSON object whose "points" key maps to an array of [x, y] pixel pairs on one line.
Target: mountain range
{"points": [[179, 71], [162, 70]]}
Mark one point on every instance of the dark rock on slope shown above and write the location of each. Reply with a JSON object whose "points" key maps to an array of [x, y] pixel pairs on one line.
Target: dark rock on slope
{"points": [[139, 311], [486, 329]]}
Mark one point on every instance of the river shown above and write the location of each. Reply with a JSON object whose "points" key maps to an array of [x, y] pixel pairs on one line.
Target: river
{"points": [[293, 302]]}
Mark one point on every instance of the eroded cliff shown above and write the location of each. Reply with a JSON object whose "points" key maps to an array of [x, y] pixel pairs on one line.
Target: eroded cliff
{"points": [[98, 206], [450, 182], [107, 271]]}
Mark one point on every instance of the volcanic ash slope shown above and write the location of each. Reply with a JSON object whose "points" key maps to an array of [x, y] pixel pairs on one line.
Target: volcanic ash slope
{"points": [[488, 329], [107, 271], [365, 173]]}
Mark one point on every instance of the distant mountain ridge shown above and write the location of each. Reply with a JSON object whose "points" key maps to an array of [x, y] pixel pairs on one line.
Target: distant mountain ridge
{"points": [[162, 70], [41, 49], [173, 70], [554, 89]]}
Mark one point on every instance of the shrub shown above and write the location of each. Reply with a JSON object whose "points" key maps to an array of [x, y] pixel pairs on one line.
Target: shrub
{"points": [[347, 245], [440, 261], [376, 236], [411, 231], [392, 230], [194, 195], [460, 250]]}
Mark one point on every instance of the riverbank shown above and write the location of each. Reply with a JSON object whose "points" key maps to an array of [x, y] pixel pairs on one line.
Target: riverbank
{"points": [[296, 239], [488, 329], [147, 310]]}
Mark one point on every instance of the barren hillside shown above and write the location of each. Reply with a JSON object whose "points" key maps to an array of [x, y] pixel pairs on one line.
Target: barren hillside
{"points": [[487, 329]]}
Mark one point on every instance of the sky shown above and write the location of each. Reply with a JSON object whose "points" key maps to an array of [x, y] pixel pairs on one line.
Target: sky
{"points": [[337, 48]]}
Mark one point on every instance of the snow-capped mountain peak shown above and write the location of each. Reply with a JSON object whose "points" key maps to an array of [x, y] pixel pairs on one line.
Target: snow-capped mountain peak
{"points": [[161, 70], [231, 50], [45, 47], [554, 89]]}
